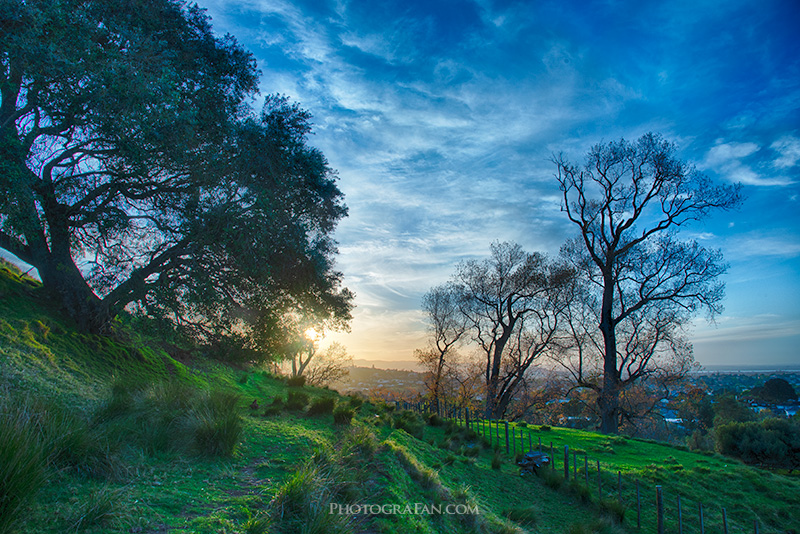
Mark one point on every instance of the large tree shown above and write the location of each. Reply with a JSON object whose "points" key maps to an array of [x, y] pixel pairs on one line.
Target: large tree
{"points": [[132, 170], [628, 200], [512, 301]]}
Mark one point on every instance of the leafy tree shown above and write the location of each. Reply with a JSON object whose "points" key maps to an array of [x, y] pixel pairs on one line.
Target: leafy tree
{"points": [[628, 200], [729, 409], [513, 302], [775, 390], [132, 170]]}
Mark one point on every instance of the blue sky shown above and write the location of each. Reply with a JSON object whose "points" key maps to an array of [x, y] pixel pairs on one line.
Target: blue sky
{"points": [[441, 118]]}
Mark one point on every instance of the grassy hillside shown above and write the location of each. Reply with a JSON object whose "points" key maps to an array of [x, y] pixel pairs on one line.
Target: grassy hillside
{"points": [[132, 434]]}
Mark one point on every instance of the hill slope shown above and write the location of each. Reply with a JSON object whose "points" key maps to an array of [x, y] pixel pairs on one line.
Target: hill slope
{"points": [[132, 434]]}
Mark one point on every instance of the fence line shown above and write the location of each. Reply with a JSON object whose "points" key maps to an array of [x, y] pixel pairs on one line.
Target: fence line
{"points": [[662, 510]]}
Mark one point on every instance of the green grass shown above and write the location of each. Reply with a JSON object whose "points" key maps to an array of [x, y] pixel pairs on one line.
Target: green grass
{"points": [[134, 434]]}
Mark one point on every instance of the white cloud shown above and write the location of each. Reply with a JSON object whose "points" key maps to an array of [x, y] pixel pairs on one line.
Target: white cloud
{"points": [[727, 159], [789, 149]]}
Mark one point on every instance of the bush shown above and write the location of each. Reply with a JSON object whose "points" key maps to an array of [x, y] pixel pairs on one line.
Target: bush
{"points": [[435, 420], [614, 508], [497, 460], [356, 402], [217, 423], [343, 415], [321, 406], [275, 408], [296, 400], [296, 381], [544, 428], [22, 462], [771, 442]]}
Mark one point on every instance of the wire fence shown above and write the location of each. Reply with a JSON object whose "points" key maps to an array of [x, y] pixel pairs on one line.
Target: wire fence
{"points": [[650, 507]]}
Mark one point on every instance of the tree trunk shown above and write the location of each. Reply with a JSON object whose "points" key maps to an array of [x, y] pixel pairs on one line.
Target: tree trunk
{"points": [[608, 402], [62, 277]]}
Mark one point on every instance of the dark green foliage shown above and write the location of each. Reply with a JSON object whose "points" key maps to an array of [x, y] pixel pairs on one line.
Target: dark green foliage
{"points": [[296, 381], [522, 424], [497, 460], [322, 405], [275, 407], [771, 443], [544, 428], [728, 409], [435, 420], [775, 390], [196, 205], [342, 415], [355, 402], [614, 509], [296, 400], [411, 422]]}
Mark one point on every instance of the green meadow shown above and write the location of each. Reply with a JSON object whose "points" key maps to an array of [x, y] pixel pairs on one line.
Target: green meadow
{"points": [[133, 433]]}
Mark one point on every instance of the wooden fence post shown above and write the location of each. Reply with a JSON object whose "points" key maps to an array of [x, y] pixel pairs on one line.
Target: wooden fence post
{"points": [[724, 521], [659, 511], [552, 456], [638, 506], [755, 526], [507, 447], [566, 462], [619, 487], [599, 483], [680, 516], [530, 441], [702, 524]]}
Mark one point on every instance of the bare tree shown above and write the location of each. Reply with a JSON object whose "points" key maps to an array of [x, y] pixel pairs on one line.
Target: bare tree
{"points": [[447, 326], [645, 281], [330, 366], [511, 301]]}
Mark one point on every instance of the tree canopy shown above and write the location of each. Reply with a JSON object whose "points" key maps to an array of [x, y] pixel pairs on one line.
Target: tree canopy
{"points": [[133, 171]]}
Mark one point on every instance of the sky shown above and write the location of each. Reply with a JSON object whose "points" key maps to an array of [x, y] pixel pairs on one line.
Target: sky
{"points": [[442, 118]]}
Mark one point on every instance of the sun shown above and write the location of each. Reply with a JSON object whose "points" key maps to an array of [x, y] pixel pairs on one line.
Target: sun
{"points": [[311, 334]]}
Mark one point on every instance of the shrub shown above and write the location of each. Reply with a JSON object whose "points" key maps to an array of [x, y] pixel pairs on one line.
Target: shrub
{"points": [[296, 400], [771, 442], [296, 381], [343, 415], [22, 462], [435, 420], [497, 460], [217, 424], [322, 405], [356, 402], [614, 508], [522, 424], [544, 428]]}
